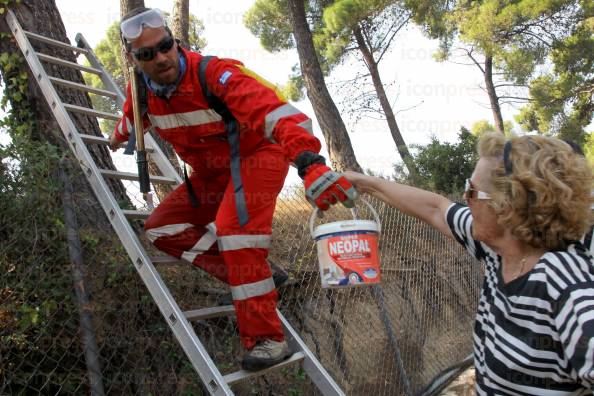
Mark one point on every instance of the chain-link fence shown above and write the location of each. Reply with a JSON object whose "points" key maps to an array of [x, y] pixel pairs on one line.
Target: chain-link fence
{"points": [[389, 339]]}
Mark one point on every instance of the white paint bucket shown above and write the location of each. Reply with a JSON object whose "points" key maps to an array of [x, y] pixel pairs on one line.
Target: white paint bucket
{"points": [[348, 253]]}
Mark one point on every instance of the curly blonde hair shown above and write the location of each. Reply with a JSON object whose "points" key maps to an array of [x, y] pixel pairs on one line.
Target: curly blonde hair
{"points": [[545, 195]]}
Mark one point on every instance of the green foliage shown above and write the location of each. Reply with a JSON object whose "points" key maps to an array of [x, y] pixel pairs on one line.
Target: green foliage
{"points": [[335, 25], [332, 24], [375, 17], [562, 100], [196, 37], [269, 21], [108, 52], [295, 87], [431, 16], [483, 126], [444, 167], [5, 3], [377, 20], [589, 148], [34, 287], [545, 45]]}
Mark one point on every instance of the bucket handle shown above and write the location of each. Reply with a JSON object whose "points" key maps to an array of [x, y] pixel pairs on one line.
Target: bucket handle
{"points": [[316, 211]]}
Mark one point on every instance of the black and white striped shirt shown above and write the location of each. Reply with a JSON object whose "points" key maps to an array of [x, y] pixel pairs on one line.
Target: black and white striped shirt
{"points": [[535, 334]]}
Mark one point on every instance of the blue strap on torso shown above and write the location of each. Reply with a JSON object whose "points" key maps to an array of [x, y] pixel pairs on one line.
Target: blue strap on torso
{"points": [[232, 128]]}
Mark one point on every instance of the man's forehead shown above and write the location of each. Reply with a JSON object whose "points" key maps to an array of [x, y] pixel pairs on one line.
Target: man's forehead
{"points": [[149, 37]]}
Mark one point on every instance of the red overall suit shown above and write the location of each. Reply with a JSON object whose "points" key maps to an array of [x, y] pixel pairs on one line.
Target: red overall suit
{"points": [[273, 133]]}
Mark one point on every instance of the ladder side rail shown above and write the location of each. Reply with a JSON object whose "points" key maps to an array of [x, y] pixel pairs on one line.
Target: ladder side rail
{"points": [[160, 159], [182, 329], [158, 156], [106, 78], [312, 366]]}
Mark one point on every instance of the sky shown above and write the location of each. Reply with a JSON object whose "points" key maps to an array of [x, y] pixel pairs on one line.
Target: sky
{"points": [[430, 98]]}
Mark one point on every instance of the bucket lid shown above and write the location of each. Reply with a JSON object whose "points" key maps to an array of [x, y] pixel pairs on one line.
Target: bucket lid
{"points": [[345, 226]]}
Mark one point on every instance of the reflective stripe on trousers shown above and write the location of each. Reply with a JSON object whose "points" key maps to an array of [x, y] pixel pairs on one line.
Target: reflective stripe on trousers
{"points": [[234, 242], [255, 289], [203, 244]]}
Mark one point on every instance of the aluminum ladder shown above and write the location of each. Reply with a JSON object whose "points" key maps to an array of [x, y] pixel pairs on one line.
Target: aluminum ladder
{"points": [[179, 321]]}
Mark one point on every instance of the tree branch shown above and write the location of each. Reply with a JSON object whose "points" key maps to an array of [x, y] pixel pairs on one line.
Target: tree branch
{"points": [[510, 85], [515, 97], [512, 102], [469, 54], [392, 38], [410, 108]]}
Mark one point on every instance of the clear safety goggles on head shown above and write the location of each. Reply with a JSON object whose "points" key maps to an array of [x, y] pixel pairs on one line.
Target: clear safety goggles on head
{"points": [[132, 28]]}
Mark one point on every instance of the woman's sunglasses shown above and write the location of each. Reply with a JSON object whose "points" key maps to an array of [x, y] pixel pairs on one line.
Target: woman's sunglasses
{"points": [[472, 193], [146, 54]]}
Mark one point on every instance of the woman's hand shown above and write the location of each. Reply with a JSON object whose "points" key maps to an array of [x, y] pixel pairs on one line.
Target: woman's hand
{"points": [[358, 180]]}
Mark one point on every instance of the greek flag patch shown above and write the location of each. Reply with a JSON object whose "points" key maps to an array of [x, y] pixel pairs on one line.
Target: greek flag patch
{"points": [[224, 77]]}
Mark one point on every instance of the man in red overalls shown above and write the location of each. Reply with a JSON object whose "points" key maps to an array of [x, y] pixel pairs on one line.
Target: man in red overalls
{"points": [[220, 219]]}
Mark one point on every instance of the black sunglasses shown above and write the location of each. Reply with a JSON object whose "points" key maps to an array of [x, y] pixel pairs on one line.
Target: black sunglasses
{"points": [[146, 54]]}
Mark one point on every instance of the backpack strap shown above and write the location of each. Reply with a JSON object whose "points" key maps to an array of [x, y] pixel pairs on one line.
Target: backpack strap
{"points": [[232, 128]]}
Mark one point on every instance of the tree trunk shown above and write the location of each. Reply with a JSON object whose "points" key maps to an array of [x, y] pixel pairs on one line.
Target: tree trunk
{"points": [[125, 7], [493, 98], [337, 139], [385, 103], [42, 17], [128, 5], [162, 190], [180, 24]]}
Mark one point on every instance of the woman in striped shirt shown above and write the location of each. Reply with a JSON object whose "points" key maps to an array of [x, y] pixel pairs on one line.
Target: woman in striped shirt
{"points": [[528, 208]]}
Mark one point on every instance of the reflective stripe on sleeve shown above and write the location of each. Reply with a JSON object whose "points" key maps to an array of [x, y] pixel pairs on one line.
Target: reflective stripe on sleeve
{"points": [[167, 230], [203, 244], [121, 126], [243, 292], [235, 242], [274, 116], [307, 125], [192, 118]]}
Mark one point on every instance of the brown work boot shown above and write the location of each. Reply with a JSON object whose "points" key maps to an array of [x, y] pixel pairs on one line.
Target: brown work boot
{"points": [[265, 354]]}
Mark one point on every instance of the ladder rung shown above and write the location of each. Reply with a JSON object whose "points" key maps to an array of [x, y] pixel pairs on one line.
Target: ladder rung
{"points": [[166, 260], [54, 42], [62, 62], [209, 313], [82, 87], [92, 139], [136, 214], [133, 176], [86, 110], [243, 375]]}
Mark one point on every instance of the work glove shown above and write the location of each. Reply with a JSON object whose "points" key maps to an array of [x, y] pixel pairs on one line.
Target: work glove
{"points": [[323, 186]]}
